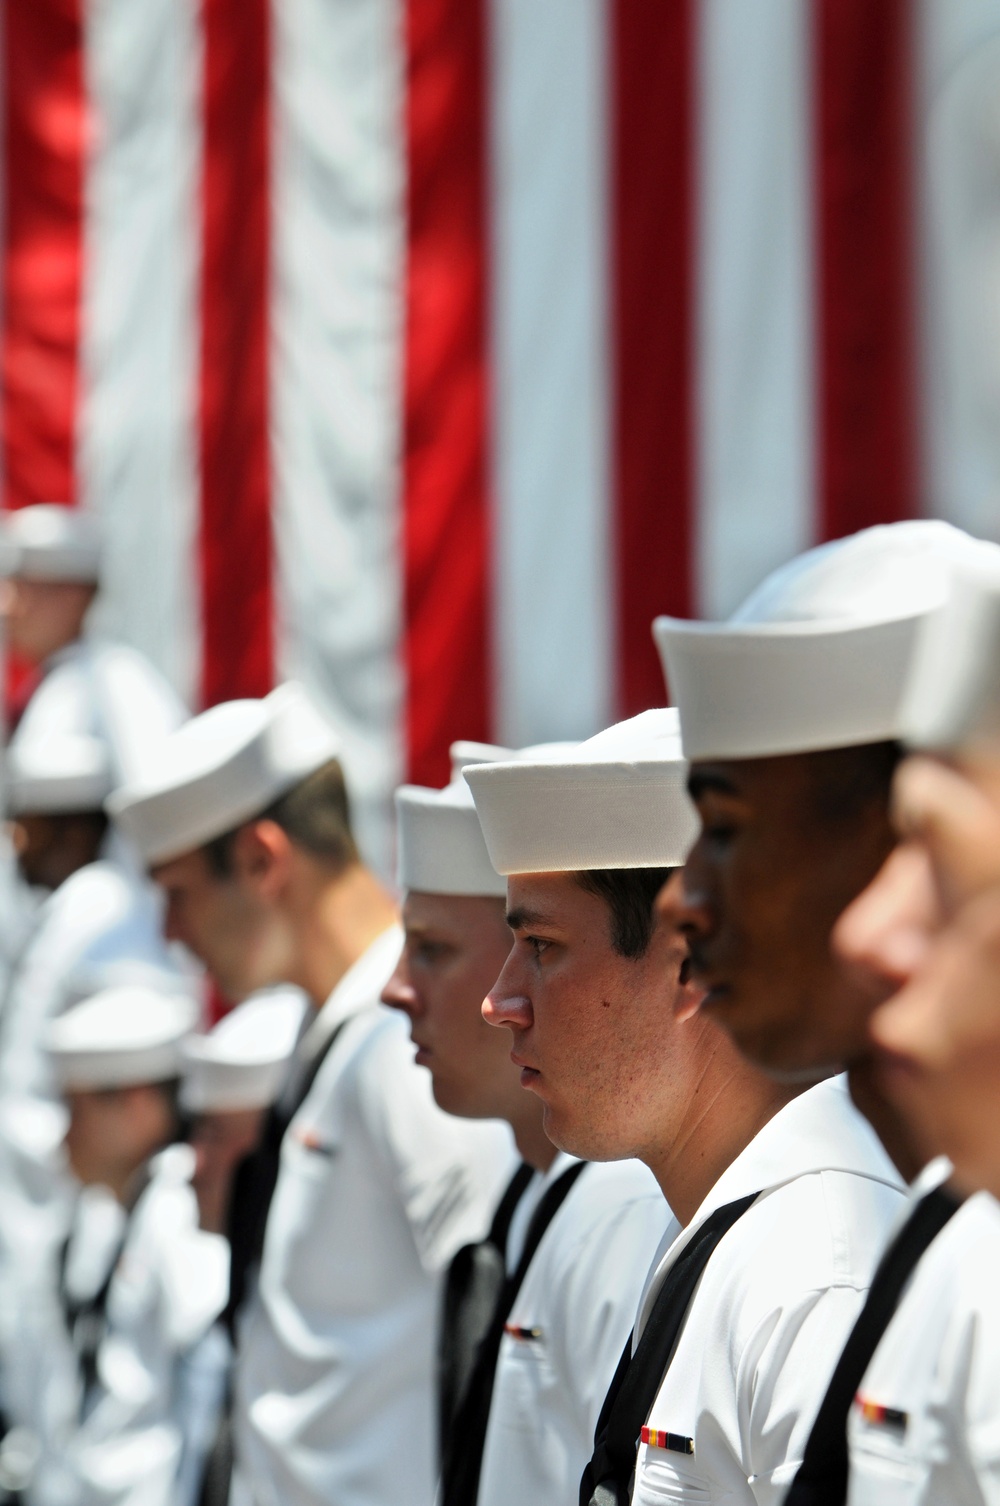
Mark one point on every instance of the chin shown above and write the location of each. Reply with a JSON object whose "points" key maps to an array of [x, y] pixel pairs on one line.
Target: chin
{"points": [[584, 1140]]}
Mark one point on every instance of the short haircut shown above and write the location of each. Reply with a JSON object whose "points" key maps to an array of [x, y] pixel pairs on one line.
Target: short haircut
{"points": [[315, 815], [848, 781], [630, 895]]}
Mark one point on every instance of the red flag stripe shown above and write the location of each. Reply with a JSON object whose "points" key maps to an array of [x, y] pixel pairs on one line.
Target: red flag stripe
{"points": [[652, 255], [865, 293], [446, 649], [45, 144], [235, 541]]}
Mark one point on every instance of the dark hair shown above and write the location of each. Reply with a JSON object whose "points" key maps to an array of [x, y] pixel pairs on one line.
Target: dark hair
{"points": [[846, 781], [630, 895], [315, 815]]}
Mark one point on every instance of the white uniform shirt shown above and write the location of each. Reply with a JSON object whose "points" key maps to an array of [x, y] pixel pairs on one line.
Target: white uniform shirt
{"points": [[776, 1302], [169, 1285], [570, 1321], [377, 1190], [99, 917], [925, 1427], [111, 692]]}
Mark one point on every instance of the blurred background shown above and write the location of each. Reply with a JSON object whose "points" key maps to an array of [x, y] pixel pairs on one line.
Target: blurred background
{"points": [[425, 349]]}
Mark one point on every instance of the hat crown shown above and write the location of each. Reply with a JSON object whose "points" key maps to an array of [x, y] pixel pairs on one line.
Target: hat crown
{"points": [[892, 570]]}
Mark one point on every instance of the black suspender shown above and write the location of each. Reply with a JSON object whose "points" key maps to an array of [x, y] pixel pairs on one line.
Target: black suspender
{"points": [[822, 1476], [86, 1319], [471, 1292], [463, 1461], [253, 1186], [607, 1479]]}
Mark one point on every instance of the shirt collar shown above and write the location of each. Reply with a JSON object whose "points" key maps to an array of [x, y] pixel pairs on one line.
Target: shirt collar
{"points": [[359, 988]]}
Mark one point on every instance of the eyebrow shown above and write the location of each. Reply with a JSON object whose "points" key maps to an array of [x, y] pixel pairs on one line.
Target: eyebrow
{"points": [[520, 918], [704, 783]]}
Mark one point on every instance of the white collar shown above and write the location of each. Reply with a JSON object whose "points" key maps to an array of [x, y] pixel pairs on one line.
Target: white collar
{"points": [[820, 1130]]}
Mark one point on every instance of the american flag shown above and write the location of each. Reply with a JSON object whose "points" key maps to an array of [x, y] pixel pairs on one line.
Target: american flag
{"points": [[426, 349]]}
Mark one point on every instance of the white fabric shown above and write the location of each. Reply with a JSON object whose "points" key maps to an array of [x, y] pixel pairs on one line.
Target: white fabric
{"points": [[618, 800], [169, 1285], [120, 1036], [440, 843], [139, 344], [50, 542], [953, 691], [551, 436], [938, 1365], [818, 656], [99, 925], [754, 280], [578, 1303], [774, 1306], [377, 1190], [221, 768], [56, 773], [337, 258], [243, 1061], [105, 691]]}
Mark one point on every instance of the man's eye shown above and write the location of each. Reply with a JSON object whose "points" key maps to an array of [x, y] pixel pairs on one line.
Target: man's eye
{"points": [[538, 944]]}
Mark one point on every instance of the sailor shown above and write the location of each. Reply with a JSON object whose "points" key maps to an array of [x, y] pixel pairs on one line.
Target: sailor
{"points": [[231, 1076], [784, 1194], [243, 819], [925, 1426], [136, 1294], [791, 714], [97, 914], [50, 561], [581, 1236]]}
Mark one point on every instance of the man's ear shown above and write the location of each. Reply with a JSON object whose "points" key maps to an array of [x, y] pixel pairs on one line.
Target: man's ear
{"points": [[688, 996], [262, 857]]}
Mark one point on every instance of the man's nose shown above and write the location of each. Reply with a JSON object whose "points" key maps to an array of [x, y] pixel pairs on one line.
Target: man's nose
{"points": [[683, 902], [399, 992], [508, 1003], [884, 933]]}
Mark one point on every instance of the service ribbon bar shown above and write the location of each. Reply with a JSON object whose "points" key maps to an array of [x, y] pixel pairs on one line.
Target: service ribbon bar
{"points": [[676, 1443]]}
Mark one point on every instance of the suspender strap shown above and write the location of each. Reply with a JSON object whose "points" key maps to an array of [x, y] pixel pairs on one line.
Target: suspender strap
{"points": [[253, 1187], [471, 1292], [822, 1476], [463, 1462], [608, 1477], [86, 1321]]}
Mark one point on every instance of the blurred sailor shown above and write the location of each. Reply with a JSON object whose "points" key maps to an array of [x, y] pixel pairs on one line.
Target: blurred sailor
{"points": [[50, 558], [98, 914], [579, 1238], [139, 1284], [791, 715], [231, 1077], [784, 1195], [925, 1426], [243, 819]]}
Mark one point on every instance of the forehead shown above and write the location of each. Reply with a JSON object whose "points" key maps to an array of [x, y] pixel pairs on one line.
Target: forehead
{"points": [[189, 868], [464, 913], [557, 897]]}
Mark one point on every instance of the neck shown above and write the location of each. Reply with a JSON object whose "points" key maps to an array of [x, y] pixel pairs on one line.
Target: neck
{"points": [[533, 1144], [908, 1157], [728, 1105], [348, 913]]}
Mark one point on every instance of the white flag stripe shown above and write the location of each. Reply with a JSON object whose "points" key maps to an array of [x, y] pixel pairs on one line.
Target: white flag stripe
{"points": [[755, 380], [336, 363], [136, 452], [551, 369]]}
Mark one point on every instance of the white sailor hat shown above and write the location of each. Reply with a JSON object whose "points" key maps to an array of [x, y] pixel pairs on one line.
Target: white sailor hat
{"points": [[57, 774], [55, 762], [440, 846], [952, 699], [120, 1038], [243, 1061], [818, 656], [50, 541], [618, 800], [220, 769]]}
